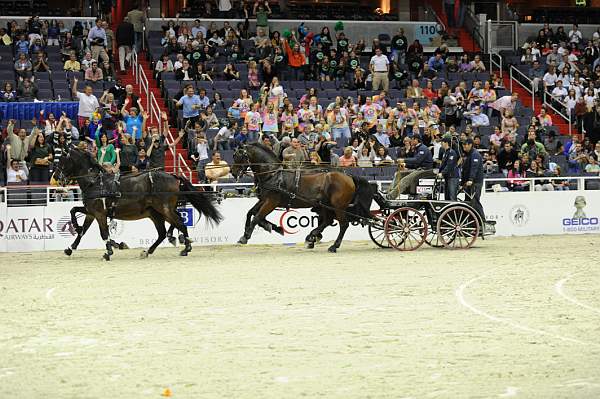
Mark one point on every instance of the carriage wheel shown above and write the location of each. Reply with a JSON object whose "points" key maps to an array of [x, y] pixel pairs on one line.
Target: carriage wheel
{"points": [[406, 229], [377, 231], [433, 238], [458, 227]]}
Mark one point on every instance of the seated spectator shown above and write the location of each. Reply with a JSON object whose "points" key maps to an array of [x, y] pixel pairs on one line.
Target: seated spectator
{"points": [[348, 160], [5, 39], [40, 64], [87, 60], [8, 94], [253, 81], [27, 91], [107, 71], [164, 65], [515, 176], [230, 73], [477, 117], [210, 118], [202, 73], [578, 159], [544, 119], [414, 91], [477, 64], [22, 45], [509, 122], [427, 73], [436, 62], [17, 172], [532, 147], [72, 64], [186, 72], [216, 169], [23, 66], [592, 166], [559, 92], [295, 155], [93, 73], [381, 157]]}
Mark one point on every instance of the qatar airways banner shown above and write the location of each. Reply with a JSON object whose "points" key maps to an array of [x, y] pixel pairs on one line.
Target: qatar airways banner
{"points": [[24, 229]]}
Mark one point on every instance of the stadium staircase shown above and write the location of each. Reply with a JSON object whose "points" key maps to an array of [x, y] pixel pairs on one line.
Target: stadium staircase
{"points": [[525, 97], [150, 94], [465, 39]]}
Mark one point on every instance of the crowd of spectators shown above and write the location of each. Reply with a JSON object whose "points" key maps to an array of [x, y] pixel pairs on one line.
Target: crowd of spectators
{"points": [[394, 94]]}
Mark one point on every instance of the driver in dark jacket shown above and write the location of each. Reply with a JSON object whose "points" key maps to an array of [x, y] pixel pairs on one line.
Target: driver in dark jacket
{"points": [[472, 176], [420, 165]]}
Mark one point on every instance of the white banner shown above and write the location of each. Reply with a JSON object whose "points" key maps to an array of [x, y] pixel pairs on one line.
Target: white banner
{"points": [[49, 228]]}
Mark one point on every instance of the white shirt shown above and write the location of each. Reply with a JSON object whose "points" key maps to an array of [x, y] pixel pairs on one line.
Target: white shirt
{"points": [[202, 149], [11, 176], [224, 5], [575, 36], [380, 63], [550, 79], [87, 104], [559, 92]]}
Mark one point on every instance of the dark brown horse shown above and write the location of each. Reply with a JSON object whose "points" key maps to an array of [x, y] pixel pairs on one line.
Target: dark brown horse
{"points": [[154, 195], [333, 195]]}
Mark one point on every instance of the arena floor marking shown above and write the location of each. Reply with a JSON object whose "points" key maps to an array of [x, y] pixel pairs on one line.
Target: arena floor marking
{"points": [[461, 299], [559, 288], [49, 293]]}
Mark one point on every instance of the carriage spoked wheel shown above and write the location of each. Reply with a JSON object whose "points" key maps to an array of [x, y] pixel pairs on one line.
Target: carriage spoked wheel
{"points": [[406, 229], [433, 238], [377, 230], [458, 227]]}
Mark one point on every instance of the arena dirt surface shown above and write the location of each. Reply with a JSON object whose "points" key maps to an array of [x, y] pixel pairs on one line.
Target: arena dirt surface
{"points": [[516, 317]]}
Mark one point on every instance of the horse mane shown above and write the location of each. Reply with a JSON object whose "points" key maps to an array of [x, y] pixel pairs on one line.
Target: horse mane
{"points": [[266, 150]]}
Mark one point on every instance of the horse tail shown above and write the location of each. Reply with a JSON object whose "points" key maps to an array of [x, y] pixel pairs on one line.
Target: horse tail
{"points": [[200, 200], [363, 197]]}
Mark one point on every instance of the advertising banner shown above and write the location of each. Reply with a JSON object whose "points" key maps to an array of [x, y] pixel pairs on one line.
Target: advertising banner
{"points": [[24, 229]]}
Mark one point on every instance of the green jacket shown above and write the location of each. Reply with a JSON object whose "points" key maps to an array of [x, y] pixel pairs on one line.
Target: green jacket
{"points": [[109, 157]]}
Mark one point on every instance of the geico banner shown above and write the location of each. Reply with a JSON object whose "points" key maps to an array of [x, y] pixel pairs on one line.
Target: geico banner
{"points": [[554, 212], [528, 213]]}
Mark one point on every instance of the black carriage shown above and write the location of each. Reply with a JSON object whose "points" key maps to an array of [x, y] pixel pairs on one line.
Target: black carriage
{"points": [[406, 224]]}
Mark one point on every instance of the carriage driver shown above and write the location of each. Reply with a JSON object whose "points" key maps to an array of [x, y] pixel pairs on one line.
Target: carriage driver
{"points": [[421, 164]]}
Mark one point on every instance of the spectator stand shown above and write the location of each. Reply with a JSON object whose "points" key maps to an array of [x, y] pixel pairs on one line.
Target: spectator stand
{"points": [[31, 110]]}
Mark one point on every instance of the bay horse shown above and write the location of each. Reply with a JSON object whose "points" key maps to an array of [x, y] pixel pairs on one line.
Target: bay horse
{"points": [[332, 194], [154, 194]]}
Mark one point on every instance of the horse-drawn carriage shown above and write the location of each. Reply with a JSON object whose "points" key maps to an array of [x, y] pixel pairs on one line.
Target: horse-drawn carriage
{"points": [[406, 224]]}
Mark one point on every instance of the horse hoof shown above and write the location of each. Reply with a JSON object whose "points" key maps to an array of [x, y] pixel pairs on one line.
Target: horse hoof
{"points": [[278, 229], [332, 249], [183, 253], [106, 257], [181, 239], [122, 246], [172, 241], [243, 241], [318, 238], [68, 251], [144, 254], [310, 245]]}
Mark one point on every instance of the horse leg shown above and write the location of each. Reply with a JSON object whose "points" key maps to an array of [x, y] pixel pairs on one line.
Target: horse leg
{"points": [[325, 219], [159, 223], [101, 219], [266, 208], [175, 220], [74, 211], [172, 240], [80, 233], [341, 217]]}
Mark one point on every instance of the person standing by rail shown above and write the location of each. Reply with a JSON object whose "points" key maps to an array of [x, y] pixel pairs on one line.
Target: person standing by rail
{"points": [[449, 170], [472, 176]]}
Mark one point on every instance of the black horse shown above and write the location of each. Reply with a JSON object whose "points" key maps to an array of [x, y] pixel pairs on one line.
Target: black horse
{"points": [[333, 195], [153, 194]]}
